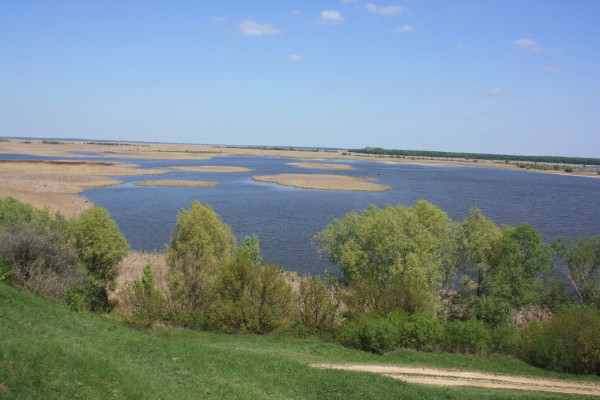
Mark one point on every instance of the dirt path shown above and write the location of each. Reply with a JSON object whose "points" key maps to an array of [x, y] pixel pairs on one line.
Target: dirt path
{"points": [[447, 377]]}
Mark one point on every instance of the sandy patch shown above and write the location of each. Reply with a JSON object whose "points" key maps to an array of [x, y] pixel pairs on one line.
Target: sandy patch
{"points": [[323, 182], [176, 183], [314, 165], [446, 377], [211, 168]]}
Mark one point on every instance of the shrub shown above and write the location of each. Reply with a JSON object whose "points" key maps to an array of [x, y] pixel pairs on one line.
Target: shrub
{"points": [[504, 339], [316, 307], [418, 331], [250, 298], [144, 301], [568, 342], [101, 246], [376, 335], [466, 337], [38, 260]]}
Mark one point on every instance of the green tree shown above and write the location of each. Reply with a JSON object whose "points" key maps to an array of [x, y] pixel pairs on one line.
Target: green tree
{"points": [[519, 268], [251, 248], [581, 256], [199, 244], [404, 245], [101, 246]]}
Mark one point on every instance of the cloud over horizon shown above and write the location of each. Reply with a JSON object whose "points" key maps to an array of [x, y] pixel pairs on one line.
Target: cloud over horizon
{"points": [[331, 17], [389, 10]]}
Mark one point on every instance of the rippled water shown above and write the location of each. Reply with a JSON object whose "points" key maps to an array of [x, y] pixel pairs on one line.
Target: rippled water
{"points": [[286, 219]]}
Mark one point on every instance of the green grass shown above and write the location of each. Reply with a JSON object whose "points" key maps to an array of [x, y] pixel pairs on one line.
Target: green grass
{"points": [[49, 352]]}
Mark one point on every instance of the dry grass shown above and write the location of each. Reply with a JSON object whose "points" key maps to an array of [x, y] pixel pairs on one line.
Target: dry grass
{"points": [[54, 184], [313, 165], [177, 183], [132, 268], [324, 182], [211, 168]]}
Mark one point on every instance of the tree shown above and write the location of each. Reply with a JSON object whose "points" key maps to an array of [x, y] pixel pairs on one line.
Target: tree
{"points": [[582, 259], [199, 244], [475, 243], [251, 248], [407, 246], [101, 246], [519, 266]]}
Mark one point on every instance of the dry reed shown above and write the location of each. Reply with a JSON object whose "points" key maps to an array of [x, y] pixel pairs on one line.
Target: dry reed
{"points": [[211, 168], [176, 183], [323, 182], [313, 165]]}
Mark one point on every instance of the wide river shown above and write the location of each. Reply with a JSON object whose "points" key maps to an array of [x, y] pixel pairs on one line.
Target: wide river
{"points": [[286, 219]]}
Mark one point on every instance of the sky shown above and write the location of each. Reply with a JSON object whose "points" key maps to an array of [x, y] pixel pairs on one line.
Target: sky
{"points": [[493, 76]]}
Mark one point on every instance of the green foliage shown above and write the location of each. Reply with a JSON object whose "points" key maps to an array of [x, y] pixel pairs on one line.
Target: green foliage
{"points": [[466, 337], [505, 157], [504, 339], [375, 335], [250, 298], [568, 342], [201, 234], [76, 301], [418, 331], [407, 245], [38, 260], [13, 211], [316, 307], [100, 244], [582, 259], [251, 248], [145, 302]]}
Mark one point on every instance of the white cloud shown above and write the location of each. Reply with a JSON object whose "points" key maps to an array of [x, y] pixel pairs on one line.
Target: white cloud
{"points": [[389, 10], [349, 1], [220, 19], [252, 28], [295, 57], [331, 16], [499, 92], [402, 29], [528, 45], [296, 12]]}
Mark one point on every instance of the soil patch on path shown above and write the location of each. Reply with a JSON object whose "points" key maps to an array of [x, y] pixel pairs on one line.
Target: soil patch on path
{"points": [[447, 377]]}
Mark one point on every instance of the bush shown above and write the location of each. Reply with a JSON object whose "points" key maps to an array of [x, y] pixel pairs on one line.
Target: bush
{"points": [[568, 342], [376, 335], [316, 307], [418, 331], [144, 301], [466, 337], [38, 260], [250, 298], [504, 339]]}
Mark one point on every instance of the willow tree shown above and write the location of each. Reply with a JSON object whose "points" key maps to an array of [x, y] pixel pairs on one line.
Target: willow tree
{"points": [[199, 244], [406, 248]]}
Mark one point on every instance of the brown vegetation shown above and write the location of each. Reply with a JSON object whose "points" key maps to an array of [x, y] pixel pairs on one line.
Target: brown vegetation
{"points": [[176, 183], [314, 165], [211, 168], [54, 184], [132, 267], [323, 182]]}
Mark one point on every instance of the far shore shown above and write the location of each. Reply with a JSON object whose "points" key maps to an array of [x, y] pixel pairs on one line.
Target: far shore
{"points": [[211, 168]]}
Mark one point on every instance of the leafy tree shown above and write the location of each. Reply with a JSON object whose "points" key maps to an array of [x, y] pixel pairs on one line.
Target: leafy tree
{"points": [[101, 246], [405, 245], [200, 242], [582, 259], [316, 306], [251, 248], [475, 243], [13, 211], [520, 263], [201, 234], [250, 298]]}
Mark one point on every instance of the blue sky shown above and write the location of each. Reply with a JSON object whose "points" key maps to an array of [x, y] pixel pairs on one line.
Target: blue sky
{"points": [[505, 76]]}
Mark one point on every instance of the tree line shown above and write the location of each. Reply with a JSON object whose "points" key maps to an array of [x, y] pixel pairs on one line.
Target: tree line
{"points": [[477, 156], [409, 277]]}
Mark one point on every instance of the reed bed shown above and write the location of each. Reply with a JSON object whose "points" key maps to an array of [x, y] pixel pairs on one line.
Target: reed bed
{"points": [[313, 165], [324, 182], [211, 168], [177, 183], [132, 268]]}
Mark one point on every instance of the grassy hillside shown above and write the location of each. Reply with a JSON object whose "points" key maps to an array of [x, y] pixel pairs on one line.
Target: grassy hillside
{"points": [[49, 352]]}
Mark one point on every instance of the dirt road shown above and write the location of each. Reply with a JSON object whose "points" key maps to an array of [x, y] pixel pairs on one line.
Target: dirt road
{"points": [[447, 377]]}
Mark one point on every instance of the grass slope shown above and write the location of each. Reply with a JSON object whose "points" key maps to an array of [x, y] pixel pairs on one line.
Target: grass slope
{"points": [[49, 352]]}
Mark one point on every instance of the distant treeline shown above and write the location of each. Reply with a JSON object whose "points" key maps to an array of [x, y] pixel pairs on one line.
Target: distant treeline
{"points": [[280, 148], [477, 156]]}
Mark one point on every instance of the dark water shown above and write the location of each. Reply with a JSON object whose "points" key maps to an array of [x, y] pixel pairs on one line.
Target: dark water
{"points": [[286, 219]]}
